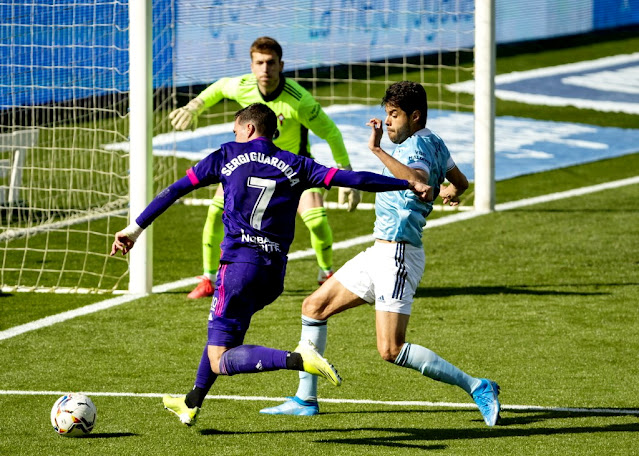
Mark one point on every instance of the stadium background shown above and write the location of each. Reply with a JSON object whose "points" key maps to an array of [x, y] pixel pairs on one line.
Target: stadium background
{"points": [[209, 39]]}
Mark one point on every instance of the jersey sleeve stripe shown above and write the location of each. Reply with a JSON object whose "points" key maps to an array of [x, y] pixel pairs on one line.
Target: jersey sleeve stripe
{"points": [[329, 176], [192, 177], [292, 92], [292, 88], [420, 165]]}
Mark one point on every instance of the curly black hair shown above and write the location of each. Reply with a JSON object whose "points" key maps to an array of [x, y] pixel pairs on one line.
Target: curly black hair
{"points": [[409, 97]]}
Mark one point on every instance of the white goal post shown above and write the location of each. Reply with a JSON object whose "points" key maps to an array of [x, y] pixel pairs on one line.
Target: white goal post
{"points": [[485, 56], [140, 137]]}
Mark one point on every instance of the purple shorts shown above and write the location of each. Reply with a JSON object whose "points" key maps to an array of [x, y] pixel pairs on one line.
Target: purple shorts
{"points": [[241, 290]]}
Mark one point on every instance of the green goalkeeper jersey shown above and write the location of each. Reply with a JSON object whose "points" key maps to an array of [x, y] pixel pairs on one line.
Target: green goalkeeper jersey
{"points": [[296, 109]]}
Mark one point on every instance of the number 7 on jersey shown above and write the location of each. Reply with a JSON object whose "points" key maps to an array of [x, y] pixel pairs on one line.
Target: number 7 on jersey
{"points": [[267, 188]]}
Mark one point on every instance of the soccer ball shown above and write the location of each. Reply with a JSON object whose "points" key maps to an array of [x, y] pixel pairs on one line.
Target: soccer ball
{"points": [[73, 415]]}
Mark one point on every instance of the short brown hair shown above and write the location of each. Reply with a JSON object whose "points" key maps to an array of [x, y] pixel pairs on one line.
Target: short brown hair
{"points": [[266, 44], [409, 97], [262, 117]]}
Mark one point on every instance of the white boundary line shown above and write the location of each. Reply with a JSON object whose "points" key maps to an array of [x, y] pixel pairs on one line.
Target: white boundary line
{"points": [[567, 194], [462, 405], [460, 216], [69, 314]]}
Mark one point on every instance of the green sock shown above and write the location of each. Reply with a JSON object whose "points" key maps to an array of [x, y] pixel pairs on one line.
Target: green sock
{"points": [[212, 237], [316, 221]]}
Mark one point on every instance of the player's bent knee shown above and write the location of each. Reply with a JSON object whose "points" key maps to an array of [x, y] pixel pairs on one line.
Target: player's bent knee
{"points": [[215, 366], [315, 307], [215, 354], [312, 308], [388, 352]]}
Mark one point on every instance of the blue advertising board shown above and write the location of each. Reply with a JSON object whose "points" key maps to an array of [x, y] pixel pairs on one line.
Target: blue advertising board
{"points": [[59, 51]]}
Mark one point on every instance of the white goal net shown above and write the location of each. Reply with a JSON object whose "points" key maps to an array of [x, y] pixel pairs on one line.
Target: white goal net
{"points": [[64, 159]]}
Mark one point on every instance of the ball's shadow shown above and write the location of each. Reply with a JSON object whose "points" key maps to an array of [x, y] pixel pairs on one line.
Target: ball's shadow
{"points": [[108, 435]]}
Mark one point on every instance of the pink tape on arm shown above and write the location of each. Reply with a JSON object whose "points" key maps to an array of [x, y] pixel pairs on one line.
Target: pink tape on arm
{"points": [[192, 177], [329, 176]]}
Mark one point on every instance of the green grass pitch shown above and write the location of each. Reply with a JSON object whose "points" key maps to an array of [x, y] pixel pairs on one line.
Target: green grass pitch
{"points": [[542, 299]]}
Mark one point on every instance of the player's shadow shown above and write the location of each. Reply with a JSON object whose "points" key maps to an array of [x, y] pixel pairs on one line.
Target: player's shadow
{"points": [[511, 417], [514, 417], [392, 442], [443, 292], [419, 438], [523, 417], [409, 437]]}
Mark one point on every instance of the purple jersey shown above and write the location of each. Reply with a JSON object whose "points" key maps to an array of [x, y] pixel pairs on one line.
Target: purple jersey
{"points": [[262, 188]]}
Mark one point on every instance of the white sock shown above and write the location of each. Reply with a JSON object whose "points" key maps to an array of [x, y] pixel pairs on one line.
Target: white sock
{"points": [[211, 277], [315, 331], [431, 365]]}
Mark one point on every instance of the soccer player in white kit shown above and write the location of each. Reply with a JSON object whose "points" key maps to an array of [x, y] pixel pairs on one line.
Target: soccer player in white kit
{"points": [[388, 273]]}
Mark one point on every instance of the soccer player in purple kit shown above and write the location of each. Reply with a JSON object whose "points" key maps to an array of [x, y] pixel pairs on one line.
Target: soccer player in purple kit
{"points": [[262, 185]]}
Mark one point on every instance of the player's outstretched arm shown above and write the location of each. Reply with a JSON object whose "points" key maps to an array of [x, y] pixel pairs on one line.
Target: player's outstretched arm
{"points": [[125, 239], [187, 116], [373, 182]]}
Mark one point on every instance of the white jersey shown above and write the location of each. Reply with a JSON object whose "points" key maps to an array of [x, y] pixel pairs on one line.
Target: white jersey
{"points": [[400, 215]]}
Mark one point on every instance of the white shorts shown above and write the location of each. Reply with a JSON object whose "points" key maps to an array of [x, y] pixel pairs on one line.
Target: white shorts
{"points": [[386, 274]]}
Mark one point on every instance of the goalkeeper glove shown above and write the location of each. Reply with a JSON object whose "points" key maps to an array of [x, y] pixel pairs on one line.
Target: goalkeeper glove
{"points": [[349, 196], [186, 117]]}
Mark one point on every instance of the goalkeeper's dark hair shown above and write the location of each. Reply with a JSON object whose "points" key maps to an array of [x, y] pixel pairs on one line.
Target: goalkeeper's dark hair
{"points": [[409, 97], [266, 44], [261, 116]]}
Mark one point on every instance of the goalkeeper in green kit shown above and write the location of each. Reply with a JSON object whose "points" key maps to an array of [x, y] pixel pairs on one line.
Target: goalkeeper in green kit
{"points": [[297, 112]]}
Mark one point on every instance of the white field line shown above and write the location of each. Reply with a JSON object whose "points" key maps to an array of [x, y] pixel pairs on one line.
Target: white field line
{"points": [[58, 318], [567, 194], [460, 405], [460, 216]]}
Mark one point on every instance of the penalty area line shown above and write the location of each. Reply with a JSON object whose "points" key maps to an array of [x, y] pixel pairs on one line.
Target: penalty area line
{"points": [[457, 217], [427, 404]]}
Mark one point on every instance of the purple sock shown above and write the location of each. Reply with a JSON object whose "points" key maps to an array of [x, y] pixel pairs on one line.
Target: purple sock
{"points": [[247, 359], [204, 380]]}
